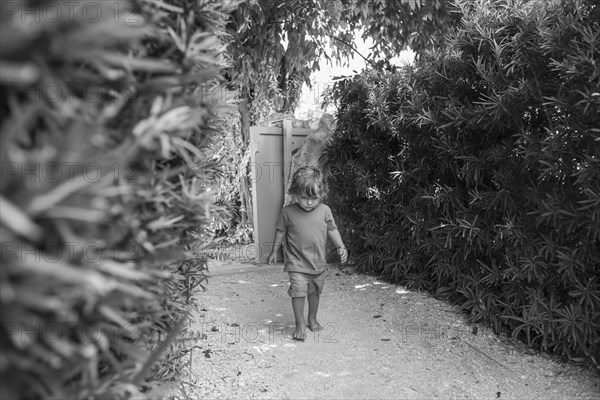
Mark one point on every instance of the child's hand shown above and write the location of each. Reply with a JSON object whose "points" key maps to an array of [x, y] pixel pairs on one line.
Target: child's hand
{"points": [[272, 258], [343, 253]]}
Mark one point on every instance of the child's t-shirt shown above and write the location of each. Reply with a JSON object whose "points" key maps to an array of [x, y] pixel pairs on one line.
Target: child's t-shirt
{"points": [[305, 237]]}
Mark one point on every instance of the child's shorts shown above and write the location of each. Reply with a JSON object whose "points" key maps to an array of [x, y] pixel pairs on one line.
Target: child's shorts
{"points": [[302, 285]]}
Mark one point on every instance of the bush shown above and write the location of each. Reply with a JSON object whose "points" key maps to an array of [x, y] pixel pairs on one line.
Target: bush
{"points": [[475, 175], [103, 188], [230, 222]]}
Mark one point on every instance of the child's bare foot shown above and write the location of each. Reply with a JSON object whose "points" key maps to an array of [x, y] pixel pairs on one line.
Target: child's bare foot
{"points": [[300, 333], [314, 326]]}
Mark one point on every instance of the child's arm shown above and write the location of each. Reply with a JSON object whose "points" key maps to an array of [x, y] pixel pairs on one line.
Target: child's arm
{"points": [[336, 238], [272, 258]]}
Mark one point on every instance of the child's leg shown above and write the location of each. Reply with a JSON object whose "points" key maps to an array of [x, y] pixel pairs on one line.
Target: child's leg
{"points": [[313, 307], [314, 295], [298, 307]]}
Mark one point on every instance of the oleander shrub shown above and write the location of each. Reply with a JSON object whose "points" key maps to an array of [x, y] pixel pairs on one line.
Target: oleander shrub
{"points": [[475, 173], [104, 178]]}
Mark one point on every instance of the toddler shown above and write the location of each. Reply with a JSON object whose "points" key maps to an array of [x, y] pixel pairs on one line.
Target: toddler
{"points": [[303, 228]]}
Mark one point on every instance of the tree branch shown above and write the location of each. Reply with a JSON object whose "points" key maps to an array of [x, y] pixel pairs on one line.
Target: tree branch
{"points": [[370, 62]]}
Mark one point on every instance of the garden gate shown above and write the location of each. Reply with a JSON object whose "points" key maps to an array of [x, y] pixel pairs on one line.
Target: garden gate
{"points": [[271, 149]]}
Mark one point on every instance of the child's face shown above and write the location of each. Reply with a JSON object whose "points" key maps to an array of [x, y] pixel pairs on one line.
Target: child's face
{"points": [[307, 203]]}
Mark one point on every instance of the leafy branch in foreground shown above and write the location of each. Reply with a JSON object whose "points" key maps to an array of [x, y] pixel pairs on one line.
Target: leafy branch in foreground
{"points": [[103, 187]]}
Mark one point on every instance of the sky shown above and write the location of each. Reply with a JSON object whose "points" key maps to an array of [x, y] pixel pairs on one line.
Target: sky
{"points": [[357, 63], [310, 100]]}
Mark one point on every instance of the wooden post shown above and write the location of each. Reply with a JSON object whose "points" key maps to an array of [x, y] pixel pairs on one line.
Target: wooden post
{"points": [[245, 197], [254, 148], [287, 153]]}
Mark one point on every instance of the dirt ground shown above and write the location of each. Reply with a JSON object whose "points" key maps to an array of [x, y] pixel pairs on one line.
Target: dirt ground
{"points": [[380, 342]]}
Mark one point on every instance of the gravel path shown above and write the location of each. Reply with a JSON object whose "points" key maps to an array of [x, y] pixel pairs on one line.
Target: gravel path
{"points": [[380, 342]]}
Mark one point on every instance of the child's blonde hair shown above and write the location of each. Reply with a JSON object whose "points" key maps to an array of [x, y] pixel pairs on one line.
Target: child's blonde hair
{"points": [[308, 181]]}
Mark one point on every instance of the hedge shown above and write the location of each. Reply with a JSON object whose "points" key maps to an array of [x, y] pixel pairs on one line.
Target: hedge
{"points": [[475, 173]]}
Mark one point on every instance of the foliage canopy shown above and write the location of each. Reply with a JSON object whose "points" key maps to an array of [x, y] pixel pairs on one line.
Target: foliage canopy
{"points": [[276, 45]]}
